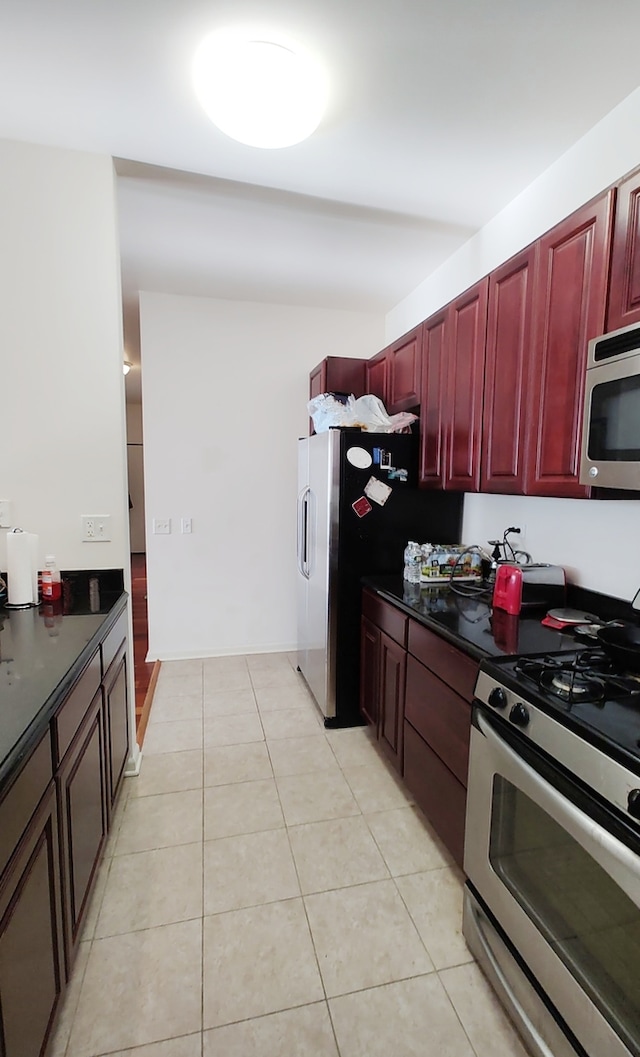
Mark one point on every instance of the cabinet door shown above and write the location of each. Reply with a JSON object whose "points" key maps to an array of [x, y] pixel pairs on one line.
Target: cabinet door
{"points": [[509, 334], [82, 793], [404, 357], [376, 377], [624, 287], [569, 309], [369, 672], [432, 401], [116, 705], [393, 666], [437, 792], [31, 964], [465, 384]]}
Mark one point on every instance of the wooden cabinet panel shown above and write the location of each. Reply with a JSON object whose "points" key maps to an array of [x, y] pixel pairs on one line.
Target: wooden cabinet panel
{"points": [[440, 716], [446, 661], [116, 705], [112, 645], [393, 664], [433, 401], [509, 337], [376, 377], [388, 618], [465, 383], [338, 374], [404, 358], [569, 309], [70, 716], [436, 790], [624, 287], [82, 792], [369, 672], [23, 797], [31, 973]]}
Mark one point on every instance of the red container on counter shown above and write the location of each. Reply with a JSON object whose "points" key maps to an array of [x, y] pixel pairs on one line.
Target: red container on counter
{"points": [[507, 592]]}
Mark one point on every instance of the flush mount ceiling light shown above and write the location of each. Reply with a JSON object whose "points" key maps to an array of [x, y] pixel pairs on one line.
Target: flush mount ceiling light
{"points": [[259, 90], [126, 366]]}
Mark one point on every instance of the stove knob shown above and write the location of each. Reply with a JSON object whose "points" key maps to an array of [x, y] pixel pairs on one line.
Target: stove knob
{"points": [[498, 698], [633, 803], [519, 715]]}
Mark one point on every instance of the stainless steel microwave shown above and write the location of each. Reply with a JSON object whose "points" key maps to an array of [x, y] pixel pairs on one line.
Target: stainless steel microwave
{"points": [[611, 424]]}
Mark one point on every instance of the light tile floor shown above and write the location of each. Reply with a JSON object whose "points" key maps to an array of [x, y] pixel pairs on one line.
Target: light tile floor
{"points": [[270, 890]]}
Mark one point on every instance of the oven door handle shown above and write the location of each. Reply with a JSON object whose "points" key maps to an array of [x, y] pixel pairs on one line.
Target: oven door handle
{"points": [[613, 853]]}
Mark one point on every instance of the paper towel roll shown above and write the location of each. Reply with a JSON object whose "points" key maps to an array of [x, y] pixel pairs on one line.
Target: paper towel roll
{"points": [[19, 578], [34, 542]]}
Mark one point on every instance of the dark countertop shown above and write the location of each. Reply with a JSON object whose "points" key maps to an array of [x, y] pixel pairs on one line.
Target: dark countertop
{"points": [[472, 625], [42, 650]]}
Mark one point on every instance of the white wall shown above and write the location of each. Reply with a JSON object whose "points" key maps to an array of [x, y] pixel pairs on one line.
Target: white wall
{"points": [[594, 539], [63, 417], [225, 388], [63, 451]]}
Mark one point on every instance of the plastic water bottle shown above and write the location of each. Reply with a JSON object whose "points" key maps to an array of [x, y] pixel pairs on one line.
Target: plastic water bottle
{"points": [[412, 562]]}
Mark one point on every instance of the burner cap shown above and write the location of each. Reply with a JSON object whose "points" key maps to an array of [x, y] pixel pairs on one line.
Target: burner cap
{"points": [[570, 683], [572, 686]]}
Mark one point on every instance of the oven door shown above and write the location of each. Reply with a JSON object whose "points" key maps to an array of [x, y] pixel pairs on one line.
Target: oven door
{"points": [[561, 875]]}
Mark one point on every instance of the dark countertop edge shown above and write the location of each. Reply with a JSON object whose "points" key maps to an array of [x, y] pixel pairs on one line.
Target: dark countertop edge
{"points": [[445, 633], [18, 755]]}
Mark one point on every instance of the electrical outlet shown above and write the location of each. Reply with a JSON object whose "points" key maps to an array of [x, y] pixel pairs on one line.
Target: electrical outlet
{"points": [[186, 525], [5, 513], [162, 526], [96, 528]]}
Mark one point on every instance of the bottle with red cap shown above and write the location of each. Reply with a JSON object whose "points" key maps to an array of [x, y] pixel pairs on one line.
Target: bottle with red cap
{"points": [[51, 580]]}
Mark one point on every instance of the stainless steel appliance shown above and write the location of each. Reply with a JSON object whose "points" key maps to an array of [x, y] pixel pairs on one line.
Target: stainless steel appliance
{"points": [[552, 849], [358, 505], [611, 424]]}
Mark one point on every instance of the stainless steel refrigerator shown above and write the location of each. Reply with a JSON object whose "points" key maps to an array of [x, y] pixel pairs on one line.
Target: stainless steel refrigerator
{"points": [[358, 504]]}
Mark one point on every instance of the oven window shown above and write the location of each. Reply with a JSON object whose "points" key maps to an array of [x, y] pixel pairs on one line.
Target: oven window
{"points": [[614, 425], [589, 921]]}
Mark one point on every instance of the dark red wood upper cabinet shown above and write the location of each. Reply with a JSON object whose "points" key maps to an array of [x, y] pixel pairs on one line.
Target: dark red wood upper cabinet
{"points": [[433, 397], [375, 377], [467, 328], [337, 374], [509, 332], [569, 309], [404, 358], [624, 287]]}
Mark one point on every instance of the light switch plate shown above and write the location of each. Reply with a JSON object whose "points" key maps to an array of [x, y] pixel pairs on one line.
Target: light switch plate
{"points": [[5, 513], [162, 526]]}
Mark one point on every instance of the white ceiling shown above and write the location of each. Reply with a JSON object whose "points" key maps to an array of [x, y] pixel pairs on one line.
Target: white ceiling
{"points": [[441, 112]]}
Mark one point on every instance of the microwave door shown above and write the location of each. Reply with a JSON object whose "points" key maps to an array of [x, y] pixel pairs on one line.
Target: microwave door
{"points": [[611, 433]]}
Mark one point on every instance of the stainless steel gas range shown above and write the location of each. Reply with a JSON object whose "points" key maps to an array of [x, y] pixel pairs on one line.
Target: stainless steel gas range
{"points": [[552, 852]]}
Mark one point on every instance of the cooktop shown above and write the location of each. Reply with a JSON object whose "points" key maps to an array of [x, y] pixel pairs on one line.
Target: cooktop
{"points": [[580, 688]]}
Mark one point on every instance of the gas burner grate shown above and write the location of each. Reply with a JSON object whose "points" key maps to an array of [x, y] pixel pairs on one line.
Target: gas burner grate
{"points": [[586, 676]]}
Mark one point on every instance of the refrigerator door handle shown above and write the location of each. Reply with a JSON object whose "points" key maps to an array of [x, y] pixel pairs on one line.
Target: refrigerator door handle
{"points": [[303, 531]]}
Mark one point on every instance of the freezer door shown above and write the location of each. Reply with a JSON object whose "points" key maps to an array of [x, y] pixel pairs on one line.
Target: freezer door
{"points": [[317, 559]]}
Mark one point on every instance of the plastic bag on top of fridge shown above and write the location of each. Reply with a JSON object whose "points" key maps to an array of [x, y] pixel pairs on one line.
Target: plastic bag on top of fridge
{"points": [[367, 412]]}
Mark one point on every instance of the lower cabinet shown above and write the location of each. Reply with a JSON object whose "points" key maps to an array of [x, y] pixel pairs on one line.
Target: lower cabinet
{"points": [[382, 672], [116, 707], [416, 692], [370, 672], [393, 667], [82, 792], [31, 956], [54, 821]]}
